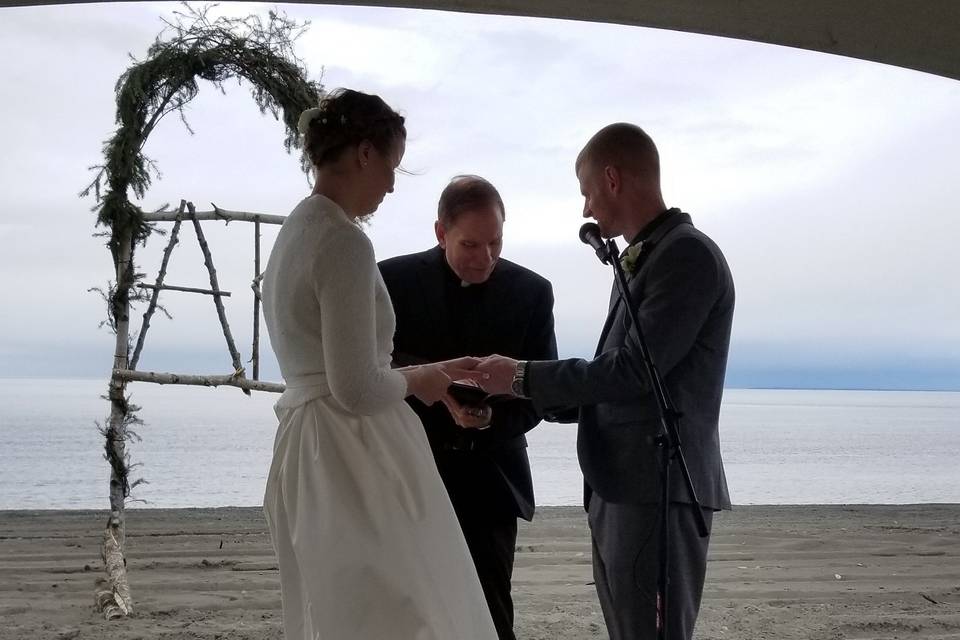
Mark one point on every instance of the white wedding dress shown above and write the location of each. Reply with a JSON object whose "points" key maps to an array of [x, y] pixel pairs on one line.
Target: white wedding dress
{"points": [[368, 544]]}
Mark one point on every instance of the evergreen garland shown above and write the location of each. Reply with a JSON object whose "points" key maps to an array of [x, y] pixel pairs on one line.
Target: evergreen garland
{"points": [[193, 47]]}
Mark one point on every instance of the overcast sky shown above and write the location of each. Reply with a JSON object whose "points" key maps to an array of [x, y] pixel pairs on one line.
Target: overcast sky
{"points": [[829, 183]]}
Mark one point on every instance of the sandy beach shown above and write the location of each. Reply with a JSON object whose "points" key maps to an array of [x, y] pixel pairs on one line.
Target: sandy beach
{"points": [[817, 572]]}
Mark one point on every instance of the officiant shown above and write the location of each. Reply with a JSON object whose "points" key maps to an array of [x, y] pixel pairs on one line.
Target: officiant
{"points": [[460, 298]]}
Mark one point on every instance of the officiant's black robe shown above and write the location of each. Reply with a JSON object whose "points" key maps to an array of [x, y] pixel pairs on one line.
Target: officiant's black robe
{"points": [[486, 472]]}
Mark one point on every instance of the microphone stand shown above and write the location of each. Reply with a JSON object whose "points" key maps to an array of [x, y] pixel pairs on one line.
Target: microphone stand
{"points": [[668, 439]]}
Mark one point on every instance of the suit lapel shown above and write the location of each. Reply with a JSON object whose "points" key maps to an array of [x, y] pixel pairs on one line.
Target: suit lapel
{"points": [[608, 323], [649, 245]]}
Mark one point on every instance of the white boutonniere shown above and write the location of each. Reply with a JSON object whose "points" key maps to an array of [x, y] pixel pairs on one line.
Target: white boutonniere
{"points": [[629, 258]]}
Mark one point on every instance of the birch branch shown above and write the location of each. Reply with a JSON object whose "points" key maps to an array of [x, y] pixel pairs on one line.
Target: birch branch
{"points": [[231, 380], [170, 287], [218, 214], [117, 589], [152, 307], [217, 300], [255, 354]]}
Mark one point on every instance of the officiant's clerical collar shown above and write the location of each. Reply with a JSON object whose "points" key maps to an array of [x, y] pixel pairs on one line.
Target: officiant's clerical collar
{"points": [[452, 276], [653, 225]]}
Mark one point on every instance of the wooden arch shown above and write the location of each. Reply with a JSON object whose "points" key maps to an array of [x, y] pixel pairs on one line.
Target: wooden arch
{"points": [[191, 49]]}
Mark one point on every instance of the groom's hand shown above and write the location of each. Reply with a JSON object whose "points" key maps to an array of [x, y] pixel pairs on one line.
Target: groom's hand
{"points": [[499, 371]]}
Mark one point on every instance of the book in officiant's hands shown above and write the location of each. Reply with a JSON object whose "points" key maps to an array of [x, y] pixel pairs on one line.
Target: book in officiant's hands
{"points": [[472, 395]]}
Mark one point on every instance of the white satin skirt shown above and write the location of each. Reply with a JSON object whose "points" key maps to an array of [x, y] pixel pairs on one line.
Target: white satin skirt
{"points": [[369, 547]]}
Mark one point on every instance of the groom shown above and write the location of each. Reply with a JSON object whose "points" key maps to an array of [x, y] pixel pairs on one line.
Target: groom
{"points": [[684, 294], [461, 298]]}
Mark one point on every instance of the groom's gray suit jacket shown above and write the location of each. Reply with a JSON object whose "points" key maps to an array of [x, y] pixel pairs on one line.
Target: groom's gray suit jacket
{"points": [[685, 297]]}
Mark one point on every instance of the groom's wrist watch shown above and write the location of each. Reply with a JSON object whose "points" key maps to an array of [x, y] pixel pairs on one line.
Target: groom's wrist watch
{"points": [[519, 384]]}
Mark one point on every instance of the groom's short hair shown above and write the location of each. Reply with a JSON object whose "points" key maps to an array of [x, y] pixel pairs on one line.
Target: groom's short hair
{"points": [[466, 192], [625, 146]]}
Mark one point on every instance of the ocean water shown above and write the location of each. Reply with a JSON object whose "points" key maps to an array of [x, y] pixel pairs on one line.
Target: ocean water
{"points": [[211, 447]]}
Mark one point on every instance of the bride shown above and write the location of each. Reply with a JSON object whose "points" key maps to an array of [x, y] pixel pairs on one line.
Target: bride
{"points": [[368, 544]]}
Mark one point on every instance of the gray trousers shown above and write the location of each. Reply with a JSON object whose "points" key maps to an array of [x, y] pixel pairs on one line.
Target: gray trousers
{"points": [[625, 550]]}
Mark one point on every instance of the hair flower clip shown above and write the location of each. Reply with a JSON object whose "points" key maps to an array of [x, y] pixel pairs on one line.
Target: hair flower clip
{"points": [[308, 116]]}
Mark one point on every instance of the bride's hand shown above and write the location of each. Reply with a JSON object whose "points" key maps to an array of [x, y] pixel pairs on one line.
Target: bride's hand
{"points": [[464, 369], [428, 382]]}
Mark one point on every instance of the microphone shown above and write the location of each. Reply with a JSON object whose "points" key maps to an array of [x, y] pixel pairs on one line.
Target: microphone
{"points": [[590, 234]]}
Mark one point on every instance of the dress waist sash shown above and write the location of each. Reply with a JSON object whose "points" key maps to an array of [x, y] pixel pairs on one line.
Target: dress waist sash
{"points": [[303, 389]]}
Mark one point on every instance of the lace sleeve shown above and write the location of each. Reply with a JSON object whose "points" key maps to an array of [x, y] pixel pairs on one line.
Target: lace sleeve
{"points": [[345, 274]]}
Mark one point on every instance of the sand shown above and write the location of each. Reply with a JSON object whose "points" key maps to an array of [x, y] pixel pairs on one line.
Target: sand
{"points": [[818, 572]]}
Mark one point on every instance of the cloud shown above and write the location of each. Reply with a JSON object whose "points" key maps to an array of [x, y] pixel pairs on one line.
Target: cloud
{"points": [[828, 182]]}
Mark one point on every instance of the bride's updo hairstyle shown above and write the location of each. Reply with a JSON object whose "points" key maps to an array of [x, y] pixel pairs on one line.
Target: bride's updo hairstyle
{"points": [[344, 119]]}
